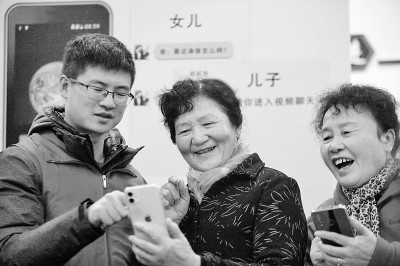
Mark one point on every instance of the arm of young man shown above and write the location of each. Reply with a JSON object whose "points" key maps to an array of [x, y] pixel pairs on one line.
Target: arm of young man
{"points": [[25, 236]]}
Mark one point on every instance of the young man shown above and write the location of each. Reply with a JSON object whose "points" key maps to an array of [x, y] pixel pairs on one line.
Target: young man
{"points": [[60, 189]]}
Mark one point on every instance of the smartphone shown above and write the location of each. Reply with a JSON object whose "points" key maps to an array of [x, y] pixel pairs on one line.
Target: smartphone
{"points": [[334, 219], [36, 34], [144, 203]]}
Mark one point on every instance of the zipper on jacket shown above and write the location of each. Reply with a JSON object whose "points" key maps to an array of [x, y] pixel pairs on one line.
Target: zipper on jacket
{"points": [[104, 181]]}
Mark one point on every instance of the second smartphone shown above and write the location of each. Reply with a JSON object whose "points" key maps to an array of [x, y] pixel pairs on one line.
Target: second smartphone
{"points": [[334, 219]]}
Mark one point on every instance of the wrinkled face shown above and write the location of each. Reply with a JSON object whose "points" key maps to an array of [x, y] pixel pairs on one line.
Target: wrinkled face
{"points": [[351, 147], [205, 136], [92, 116]]}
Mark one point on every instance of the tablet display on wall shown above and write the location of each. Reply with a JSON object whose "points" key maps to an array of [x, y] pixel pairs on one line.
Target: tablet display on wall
{"points": [[35, 38]]}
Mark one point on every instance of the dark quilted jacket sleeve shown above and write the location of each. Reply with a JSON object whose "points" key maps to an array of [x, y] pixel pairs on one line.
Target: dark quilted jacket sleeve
{"points": [[24, 237]]}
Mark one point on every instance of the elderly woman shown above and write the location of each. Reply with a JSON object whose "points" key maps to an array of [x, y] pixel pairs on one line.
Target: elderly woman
{"points": [[359, 131], [234, 210]]}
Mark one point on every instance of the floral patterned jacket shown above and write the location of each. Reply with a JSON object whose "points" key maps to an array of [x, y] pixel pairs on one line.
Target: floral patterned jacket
{"points": [[254, 215]]}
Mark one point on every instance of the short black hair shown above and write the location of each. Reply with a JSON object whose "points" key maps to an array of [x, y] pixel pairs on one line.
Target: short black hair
{"points": [[180, 99], [97, 50]]}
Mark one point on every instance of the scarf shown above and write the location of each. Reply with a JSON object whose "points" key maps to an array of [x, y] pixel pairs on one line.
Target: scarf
{"points": [[362, 200], [199, 182]]}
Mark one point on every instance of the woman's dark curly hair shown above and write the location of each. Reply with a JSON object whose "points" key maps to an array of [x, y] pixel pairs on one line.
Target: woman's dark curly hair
{"points": [[379, 102], [180, 99]]}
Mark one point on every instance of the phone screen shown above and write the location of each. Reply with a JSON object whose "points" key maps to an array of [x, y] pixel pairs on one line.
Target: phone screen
{"points": [[36, 36]]}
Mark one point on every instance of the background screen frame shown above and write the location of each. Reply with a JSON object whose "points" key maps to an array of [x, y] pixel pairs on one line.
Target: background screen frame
{"points": [[41, 13]]}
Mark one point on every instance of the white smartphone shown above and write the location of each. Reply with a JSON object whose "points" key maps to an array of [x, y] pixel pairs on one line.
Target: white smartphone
{"points": [[144, 203]]}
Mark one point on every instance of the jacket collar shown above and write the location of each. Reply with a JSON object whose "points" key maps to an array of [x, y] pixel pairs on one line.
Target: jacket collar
{"points": [[79, 145], [250, 167]]}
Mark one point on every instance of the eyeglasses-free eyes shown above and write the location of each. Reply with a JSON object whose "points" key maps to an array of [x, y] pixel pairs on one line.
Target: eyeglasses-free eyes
{"points": [[100, 94]]}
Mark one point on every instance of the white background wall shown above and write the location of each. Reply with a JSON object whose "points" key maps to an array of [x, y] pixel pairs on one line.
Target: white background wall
{"points": [[294, 37], [299, 39], [379, 22]]}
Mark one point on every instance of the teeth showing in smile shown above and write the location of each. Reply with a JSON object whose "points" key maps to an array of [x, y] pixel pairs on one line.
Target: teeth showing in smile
{"points": [[205, 150], [343, 162], [105, 115]]}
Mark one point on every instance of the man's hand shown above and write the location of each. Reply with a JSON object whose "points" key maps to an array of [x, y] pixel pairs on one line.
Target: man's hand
{"points": [[111, 208]]}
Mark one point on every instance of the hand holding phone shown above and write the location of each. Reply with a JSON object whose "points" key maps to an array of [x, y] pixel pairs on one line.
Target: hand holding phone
{"points": [[144, 204], [333, 219]]}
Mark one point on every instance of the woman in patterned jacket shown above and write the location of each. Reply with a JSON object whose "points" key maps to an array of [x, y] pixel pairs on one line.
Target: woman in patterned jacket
{"points": [[359, 131], [234, 210]]}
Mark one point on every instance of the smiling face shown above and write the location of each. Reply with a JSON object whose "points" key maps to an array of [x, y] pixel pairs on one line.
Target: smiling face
{"points": [[352, 147], [91, 116], [205, 136]]}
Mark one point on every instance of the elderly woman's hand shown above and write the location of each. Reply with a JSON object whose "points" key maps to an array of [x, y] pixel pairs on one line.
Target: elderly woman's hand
{"points": [[354, 251], [173, 250], [175, 198], [316, 254]]}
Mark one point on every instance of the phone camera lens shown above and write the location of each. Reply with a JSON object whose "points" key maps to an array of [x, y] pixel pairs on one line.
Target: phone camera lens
{"points": [[131, 200], [130, 194]]}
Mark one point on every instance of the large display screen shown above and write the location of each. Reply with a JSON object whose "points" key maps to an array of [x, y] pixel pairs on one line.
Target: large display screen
{"points": [[36, 36]]}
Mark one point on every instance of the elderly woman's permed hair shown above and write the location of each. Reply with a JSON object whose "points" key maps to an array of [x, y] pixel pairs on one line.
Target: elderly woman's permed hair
{"points": [[180, 99], [382, 105]]}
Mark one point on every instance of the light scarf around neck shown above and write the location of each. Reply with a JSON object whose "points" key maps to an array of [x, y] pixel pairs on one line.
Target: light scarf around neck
{"points": [[362, 200], [199, 182]]}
